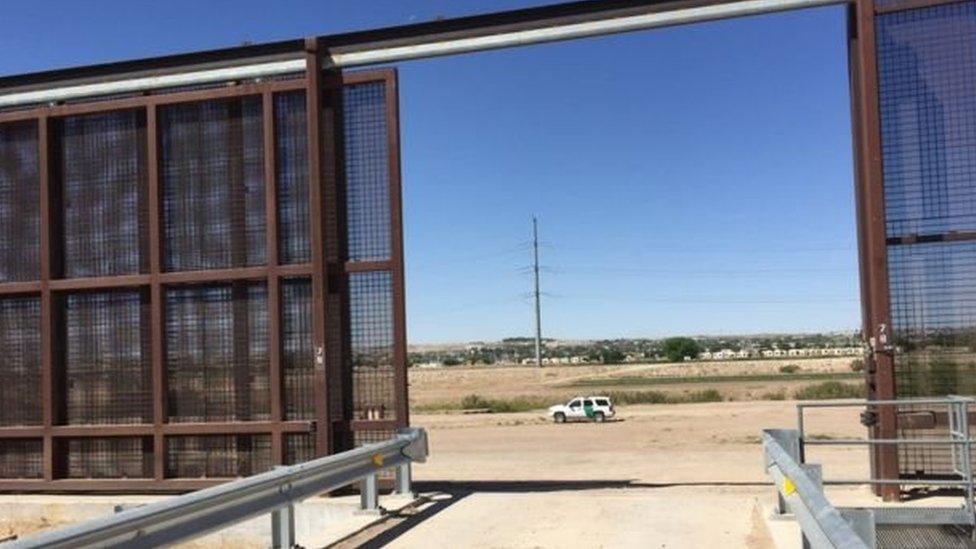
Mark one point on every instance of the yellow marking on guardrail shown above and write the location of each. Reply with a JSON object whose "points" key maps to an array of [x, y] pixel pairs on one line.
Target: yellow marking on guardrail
{"points": [[378, 460], [788, 487]]}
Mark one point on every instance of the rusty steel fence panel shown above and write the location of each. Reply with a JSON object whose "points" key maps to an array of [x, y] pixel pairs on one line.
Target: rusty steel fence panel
{"points": [[100, 168], [211, 167], [19, 196], [291, 153], [217, 353], [926, 59], [157, 305], [105, 457], [20, 378], [217, 456], [375, 257], [106, 357], [298, 357]]}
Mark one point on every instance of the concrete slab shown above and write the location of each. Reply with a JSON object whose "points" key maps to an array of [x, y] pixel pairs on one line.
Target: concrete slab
{"points": [[783, 530], [682, 516]]}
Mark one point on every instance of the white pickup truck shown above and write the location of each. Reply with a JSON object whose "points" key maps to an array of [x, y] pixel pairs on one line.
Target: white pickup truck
{"points": [[591, 408]]}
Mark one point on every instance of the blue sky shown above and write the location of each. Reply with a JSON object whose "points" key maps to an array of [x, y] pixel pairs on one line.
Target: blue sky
{"points": [[687, 180]]}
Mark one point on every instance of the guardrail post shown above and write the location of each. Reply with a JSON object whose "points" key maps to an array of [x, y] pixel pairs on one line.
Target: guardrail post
{"points": [[283, 527], [781, 508], [369, 493], [174, 520], [403, 478], [790, 441]]}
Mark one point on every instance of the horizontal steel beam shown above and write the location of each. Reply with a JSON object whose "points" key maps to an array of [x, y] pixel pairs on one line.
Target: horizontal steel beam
{"points": [[198, 513], [480, 33], [885, 441], [613, 24], [855, 403], [116, 87]]}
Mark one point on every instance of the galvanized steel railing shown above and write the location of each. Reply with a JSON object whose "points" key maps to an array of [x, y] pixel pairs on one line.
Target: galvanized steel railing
{"points": [[799, 491], [957, 438], [800, 485], [274, 492]]}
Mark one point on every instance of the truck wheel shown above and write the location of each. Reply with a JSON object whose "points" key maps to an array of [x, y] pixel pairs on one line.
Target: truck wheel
{"points": [[599, 417], [559, 417]]}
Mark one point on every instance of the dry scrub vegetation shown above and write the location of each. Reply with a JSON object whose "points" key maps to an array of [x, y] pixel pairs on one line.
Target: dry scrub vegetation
{"points": [[501, 389]]}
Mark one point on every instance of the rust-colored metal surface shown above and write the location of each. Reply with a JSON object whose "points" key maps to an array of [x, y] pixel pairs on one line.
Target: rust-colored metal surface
{"points": [[915, 133], [871, 247], [926, 67], [194, 285]]}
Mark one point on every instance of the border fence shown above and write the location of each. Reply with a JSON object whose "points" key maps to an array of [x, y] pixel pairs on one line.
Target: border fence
{"points": [[138, 199], [199, 283]]}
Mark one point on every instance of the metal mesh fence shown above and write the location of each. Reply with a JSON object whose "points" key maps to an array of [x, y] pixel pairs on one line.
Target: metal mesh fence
{"points": [[103, 205], [372, 436], [297, 357], [21, 458], [20, 368], [107, 457], [217, 456], [291, 155], [921, 422], [213, 184], [215, 326], [933, 294], [371, 329], [217, 353], [19, 202], [299, 447], [367, 169], [926, 68], [927, 64], [106, 358]]}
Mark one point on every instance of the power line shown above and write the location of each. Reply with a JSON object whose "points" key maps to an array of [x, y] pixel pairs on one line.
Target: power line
{"points": [[638, 271], [715, 300]]}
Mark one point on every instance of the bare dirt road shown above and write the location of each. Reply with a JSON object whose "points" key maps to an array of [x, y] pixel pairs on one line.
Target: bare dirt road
{"points": [[685, 475]]}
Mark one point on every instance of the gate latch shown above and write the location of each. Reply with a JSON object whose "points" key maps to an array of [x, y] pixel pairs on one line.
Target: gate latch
{"points": [[880, 343]]}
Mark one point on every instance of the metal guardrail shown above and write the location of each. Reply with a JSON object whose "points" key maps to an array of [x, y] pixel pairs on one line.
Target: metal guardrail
{"points": [[275, 492], [800, 492], [957, 438], [800, 485]]}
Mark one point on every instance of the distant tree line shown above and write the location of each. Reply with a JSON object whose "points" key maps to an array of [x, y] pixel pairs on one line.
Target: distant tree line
{"points": [[515, 350]]}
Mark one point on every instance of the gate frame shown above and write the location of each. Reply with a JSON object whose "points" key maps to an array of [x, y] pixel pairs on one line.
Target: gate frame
{"points": [[414, 42], [327, 270]]}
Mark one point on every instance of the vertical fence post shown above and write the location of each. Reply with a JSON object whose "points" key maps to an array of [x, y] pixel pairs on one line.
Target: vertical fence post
{"points": [[872, 247], [283, 527], [403, 479], [962, 408], [369, 493], [313, 108]]}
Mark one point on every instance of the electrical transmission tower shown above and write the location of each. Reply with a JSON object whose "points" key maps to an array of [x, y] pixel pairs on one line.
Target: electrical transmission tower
{"points": [[538, 304]]}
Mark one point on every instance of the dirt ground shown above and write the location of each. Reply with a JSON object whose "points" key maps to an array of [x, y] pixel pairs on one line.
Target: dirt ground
{"points": [[686, 475], [433, 386]]}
